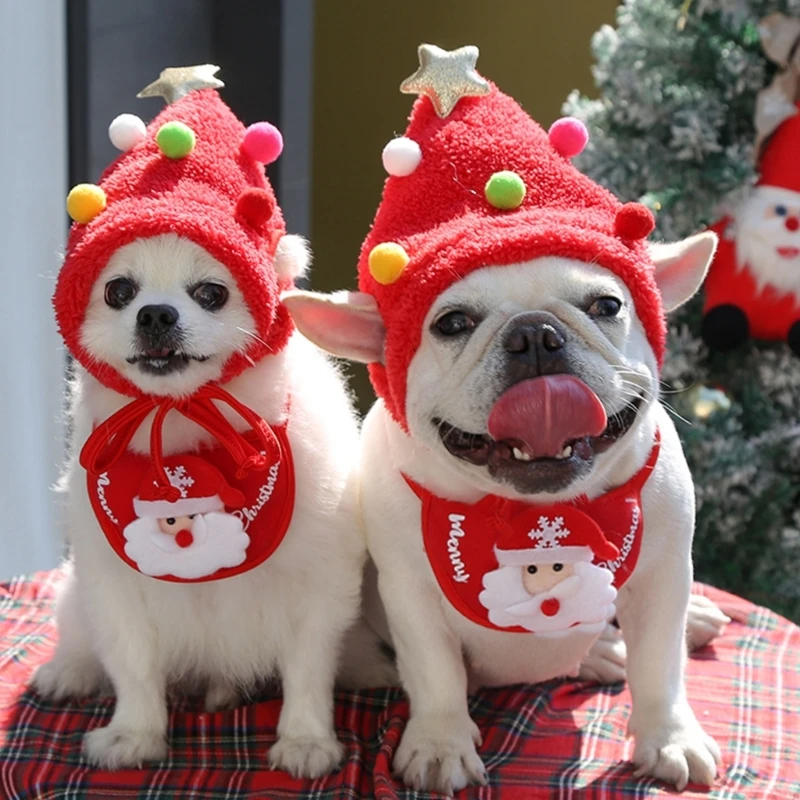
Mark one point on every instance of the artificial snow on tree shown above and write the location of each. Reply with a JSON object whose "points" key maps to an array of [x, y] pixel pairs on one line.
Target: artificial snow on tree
{"points": [[691, 94]]}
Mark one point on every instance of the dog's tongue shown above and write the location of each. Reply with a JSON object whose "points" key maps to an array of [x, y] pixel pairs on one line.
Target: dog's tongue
{"points": [[545, 413]]}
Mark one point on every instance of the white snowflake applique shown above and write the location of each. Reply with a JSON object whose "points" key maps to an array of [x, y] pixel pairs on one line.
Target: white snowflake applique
{"points": [[549, 532], [179, 479]]}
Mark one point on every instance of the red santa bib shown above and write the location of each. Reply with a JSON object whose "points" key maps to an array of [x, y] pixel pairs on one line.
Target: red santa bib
{"points": [[544, 569], [210, 514]]}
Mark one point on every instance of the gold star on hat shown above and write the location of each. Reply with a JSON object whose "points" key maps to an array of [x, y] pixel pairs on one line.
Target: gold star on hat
{"points": [[445, 76], [176, 82]]}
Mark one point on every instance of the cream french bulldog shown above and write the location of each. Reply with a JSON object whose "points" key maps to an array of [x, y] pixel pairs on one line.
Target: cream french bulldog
{"points": [[521, 483]]}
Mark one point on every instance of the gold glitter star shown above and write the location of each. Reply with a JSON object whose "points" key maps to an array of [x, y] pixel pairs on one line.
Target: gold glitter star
{"points": [[176, 82], [445, 76]]}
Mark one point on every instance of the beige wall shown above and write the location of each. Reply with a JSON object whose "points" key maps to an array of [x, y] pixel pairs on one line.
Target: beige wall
{"points": [[535, 50]]}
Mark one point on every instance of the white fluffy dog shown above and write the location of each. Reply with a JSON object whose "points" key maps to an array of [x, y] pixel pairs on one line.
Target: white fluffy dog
{"points": [[286, 616], [463, 364]]}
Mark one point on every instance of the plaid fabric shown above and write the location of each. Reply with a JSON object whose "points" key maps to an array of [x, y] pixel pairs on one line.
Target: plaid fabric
{"points": [[560, 740]]}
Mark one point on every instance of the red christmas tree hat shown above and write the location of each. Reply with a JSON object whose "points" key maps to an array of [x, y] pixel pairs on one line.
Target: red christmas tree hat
{"points": [[194, 171], [475, 182], [779, 165], [566, 536], [201, 485]]}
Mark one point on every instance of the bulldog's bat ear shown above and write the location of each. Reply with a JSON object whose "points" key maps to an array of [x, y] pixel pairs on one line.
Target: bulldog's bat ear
{"points": [[681, 267], [346, 324]]}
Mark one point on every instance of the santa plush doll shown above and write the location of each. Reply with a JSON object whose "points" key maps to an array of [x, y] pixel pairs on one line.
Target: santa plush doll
{"points": [[545, 581], [193, 536], [753, 288]]}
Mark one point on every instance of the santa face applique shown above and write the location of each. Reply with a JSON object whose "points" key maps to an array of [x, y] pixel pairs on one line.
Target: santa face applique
{"points": [[192, 537], [546, 582]]}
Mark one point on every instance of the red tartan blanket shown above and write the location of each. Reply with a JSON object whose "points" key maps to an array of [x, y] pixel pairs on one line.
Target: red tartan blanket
{"points": [[561, 739]]}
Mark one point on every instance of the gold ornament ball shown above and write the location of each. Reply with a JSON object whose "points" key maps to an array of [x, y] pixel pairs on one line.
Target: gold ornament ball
{"points": [[85, 201], [387, 262]]}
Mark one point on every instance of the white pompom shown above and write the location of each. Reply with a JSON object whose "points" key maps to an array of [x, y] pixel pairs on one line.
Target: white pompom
{"points": [[126, 131], [401, 156]]}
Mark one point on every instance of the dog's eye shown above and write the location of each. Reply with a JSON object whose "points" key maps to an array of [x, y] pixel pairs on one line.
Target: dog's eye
{"points": [[532, 569], [120, 292], [453, 323], [604, 307], [558, 567], [210, 296]]}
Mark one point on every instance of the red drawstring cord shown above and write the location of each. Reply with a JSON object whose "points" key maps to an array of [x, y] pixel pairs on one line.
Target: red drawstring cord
{"points": [[164, 488], [111, 438]]}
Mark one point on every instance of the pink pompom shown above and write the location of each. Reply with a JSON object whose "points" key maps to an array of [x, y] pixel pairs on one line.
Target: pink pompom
{"points": [[262, 142], [569, 136], [634, 221]]}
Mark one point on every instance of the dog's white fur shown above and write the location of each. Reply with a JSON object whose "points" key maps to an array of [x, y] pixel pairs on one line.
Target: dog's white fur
{"points": [[441, 653], [286, 617]]}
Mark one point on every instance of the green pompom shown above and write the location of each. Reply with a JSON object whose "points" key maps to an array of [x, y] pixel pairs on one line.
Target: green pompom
{"points": [[505, 190], [175, 140]]}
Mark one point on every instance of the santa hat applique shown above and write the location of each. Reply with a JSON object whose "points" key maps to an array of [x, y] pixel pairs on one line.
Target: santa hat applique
{"points": [[779, 165], [475, 182], [566, 536], [202, 489], [194, 171]]}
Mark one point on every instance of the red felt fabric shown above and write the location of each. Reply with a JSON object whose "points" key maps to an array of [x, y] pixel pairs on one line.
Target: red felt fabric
{"points": [[610, 526], [440, 215], [779, 165], [770, 313], [561, 740], [196, 197]]}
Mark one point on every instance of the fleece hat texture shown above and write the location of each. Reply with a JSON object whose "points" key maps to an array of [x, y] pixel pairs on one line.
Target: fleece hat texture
{"points": [[487, 186], [194, 171]]}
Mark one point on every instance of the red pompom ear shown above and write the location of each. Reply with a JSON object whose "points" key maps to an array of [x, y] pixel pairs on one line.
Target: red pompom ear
{"points": [[255, 207], [634, 221]]}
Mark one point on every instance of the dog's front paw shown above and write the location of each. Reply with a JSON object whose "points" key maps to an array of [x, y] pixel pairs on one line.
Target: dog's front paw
{"points": [[605, 662], [306, 756], [437, 753], [114, 747], [705, 621], [58, 680], [676, 750]]}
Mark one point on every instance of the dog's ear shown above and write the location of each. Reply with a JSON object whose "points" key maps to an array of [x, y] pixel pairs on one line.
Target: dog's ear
{"points": [[346, 324], [292, 257], [681, 267]]}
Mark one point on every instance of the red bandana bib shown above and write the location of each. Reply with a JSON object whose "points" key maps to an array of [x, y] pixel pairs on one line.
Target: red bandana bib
{"points": [[191, 517], [544, 569]]}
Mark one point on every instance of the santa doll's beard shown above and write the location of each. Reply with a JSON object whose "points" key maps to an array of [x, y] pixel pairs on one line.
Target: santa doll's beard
{"points": [[757, 243]]}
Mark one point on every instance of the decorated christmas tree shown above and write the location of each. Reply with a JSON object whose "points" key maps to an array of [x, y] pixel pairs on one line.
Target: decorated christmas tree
{"points": [[698, 117]]}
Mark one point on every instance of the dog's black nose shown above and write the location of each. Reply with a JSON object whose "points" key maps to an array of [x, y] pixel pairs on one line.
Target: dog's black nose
{"points": [[156, 319], [535, 337]]}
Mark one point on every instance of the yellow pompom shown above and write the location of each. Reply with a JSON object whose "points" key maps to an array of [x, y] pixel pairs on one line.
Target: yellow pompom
{"points": [[85, 201], [387, 262]]}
